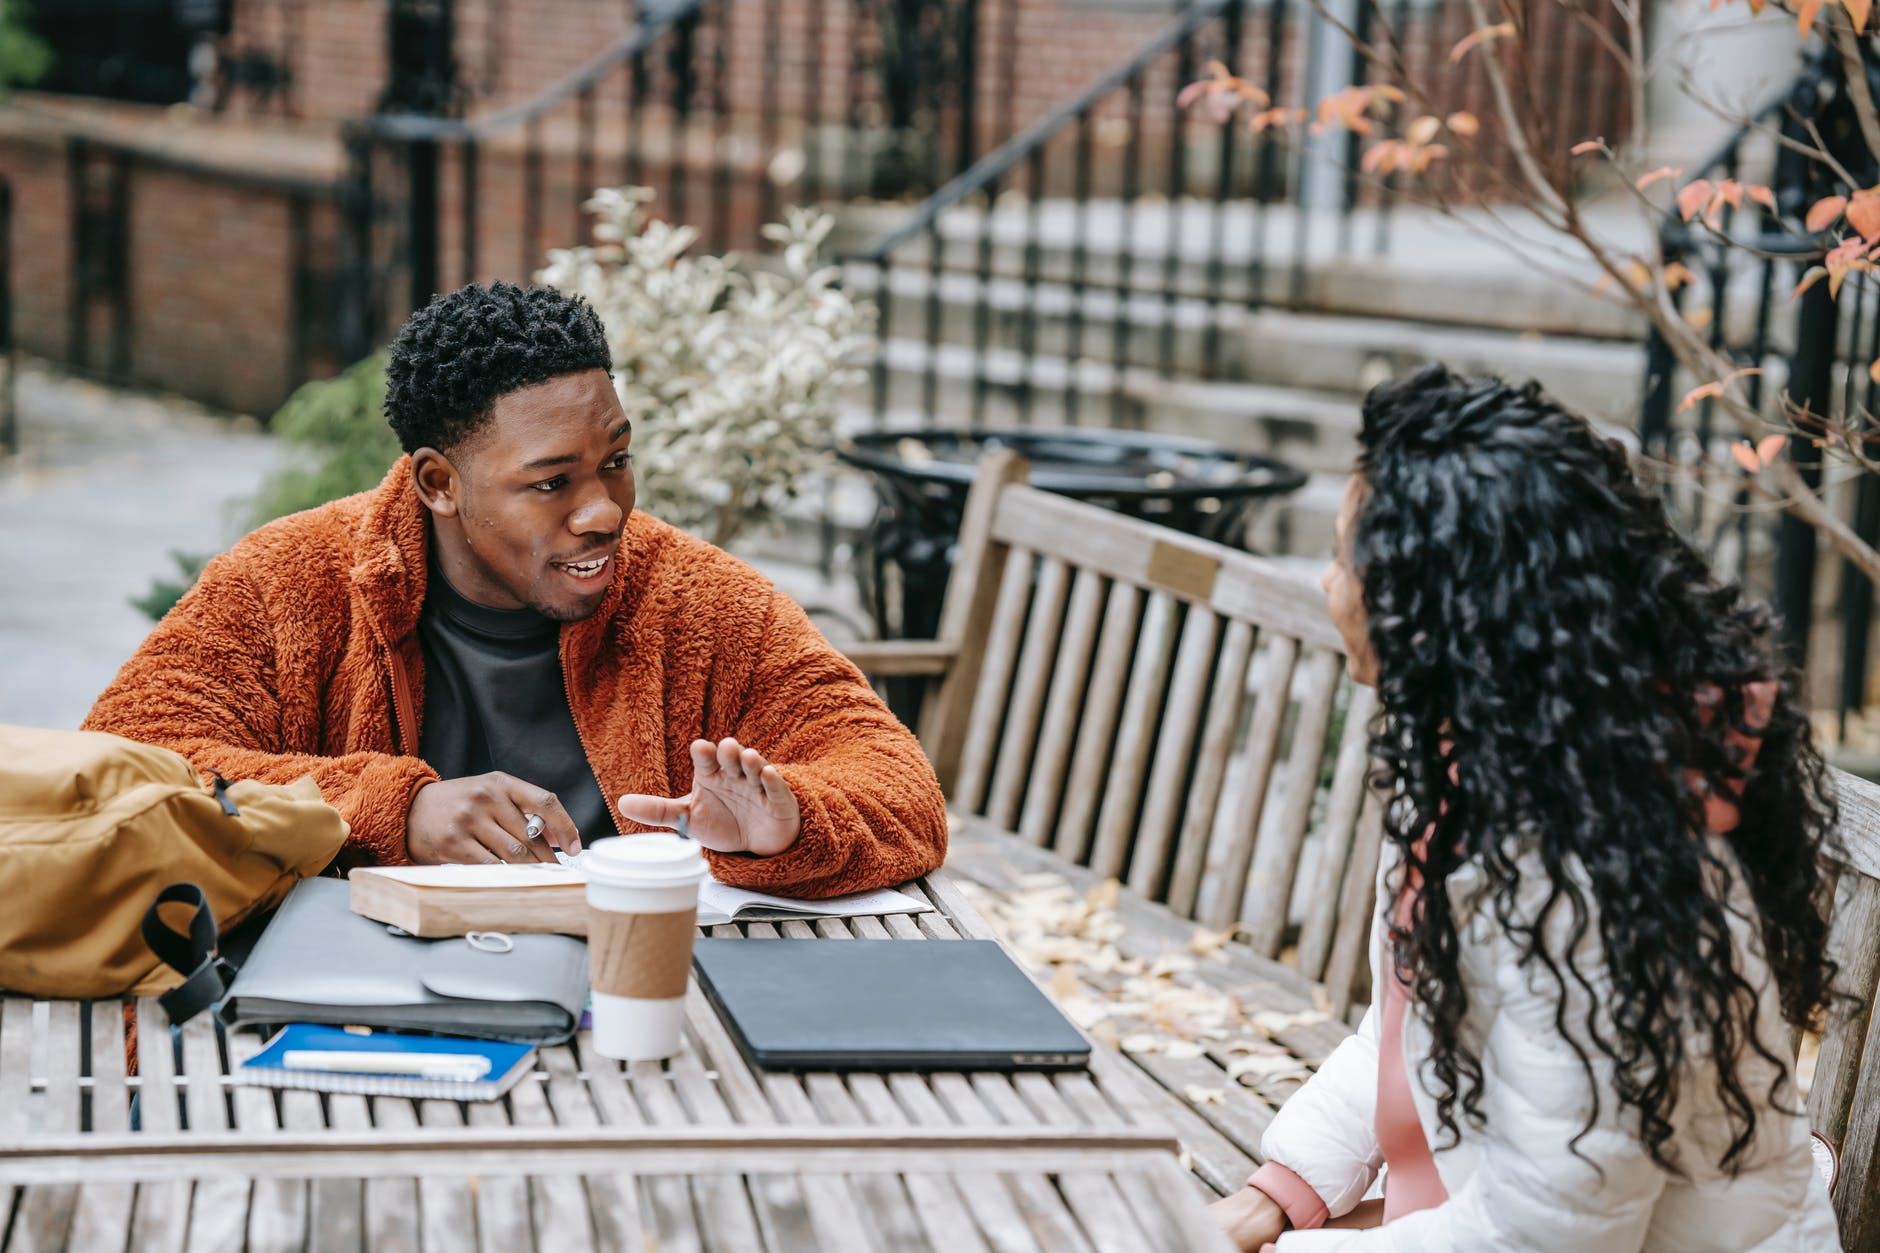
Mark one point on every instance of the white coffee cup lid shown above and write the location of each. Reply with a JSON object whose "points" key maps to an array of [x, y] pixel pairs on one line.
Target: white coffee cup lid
{"points": [[653, 860]]}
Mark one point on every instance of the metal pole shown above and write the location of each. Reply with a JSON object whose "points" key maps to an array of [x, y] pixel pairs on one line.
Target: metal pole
{"points": [[1811, 386], [9, 415], [422, 208], [357, 329]]}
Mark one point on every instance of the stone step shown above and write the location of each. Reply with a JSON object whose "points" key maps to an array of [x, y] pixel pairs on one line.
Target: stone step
{"points": [[1409, 264], [1002, 388], [1192, 337]]}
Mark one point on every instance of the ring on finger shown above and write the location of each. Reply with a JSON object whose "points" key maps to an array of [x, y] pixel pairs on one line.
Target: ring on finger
{"points": [[534, 827]]}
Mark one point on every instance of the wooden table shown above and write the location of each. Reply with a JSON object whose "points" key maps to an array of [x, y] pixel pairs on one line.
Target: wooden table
{"points": [[702, 1152]]}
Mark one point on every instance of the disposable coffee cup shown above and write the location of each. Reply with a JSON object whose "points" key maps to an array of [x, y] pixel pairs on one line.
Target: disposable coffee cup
{"points": [[642, 901]]}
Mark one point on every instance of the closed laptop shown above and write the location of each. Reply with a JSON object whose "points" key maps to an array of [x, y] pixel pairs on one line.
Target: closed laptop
{"points": [[884, 1005]]}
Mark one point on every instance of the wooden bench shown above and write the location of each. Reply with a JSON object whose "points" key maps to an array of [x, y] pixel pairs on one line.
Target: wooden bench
{"points": [[1112, 699]]}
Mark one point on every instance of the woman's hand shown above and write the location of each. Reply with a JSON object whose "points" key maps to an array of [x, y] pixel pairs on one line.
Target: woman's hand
{"points": [[1250, 1218]]}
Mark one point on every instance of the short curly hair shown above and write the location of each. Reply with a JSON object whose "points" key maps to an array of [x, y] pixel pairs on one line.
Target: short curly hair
{"points": [[455, 356]]}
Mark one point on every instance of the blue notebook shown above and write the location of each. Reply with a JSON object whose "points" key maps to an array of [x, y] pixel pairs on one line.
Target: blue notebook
{"points": [[506, 1063]]}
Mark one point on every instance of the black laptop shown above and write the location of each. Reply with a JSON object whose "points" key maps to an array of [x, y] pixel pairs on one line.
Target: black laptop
{"points": [[884, 1005]]}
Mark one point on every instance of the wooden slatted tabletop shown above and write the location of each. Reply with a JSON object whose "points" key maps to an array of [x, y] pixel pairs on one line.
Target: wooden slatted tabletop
{"points": [[700, 1152]]}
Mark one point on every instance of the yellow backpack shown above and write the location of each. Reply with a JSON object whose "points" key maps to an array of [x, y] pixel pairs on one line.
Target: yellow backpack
{"points": [[93, 827]]}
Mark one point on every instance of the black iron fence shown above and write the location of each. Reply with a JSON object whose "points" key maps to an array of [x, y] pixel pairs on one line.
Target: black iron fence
{"points": [[856, 98], [1112, 242], [132, 316], [9, 361], [1808, 353]]}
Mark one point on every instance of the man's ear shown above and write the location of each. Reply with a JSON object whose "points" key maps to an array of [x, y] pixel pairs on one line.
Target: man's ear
{"points": [[436, 479]]}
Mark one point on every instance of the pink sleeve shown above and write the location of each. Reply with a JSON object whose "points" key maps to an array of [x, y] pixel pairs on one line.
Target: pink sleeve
{"points": [[1304, 1208]]}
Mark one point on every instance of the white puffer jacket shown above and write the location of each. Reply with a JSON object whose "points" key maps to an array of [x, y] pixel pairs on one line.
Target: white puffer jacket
{"points": [[1512, 1183]]}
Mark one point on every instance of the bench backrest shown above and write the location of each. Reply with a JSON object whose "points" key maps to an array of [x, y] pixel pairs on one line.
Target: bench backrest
{"points": [[1165, 710], [1175, 713], [1844, 1097]]}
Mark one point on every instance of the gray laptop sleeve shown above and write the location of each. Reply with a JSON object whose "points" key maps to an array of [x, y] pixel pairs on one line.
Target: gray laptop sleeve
{"points": [[319, 962]]}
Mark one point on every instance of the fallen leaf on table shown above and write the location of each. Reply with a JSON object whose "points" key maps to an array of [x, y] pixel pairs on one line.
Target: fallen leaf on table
{"points": [[1206, 943], [1266, 1067], [1195, 1094], [1104, 895], [1272, 1021], [1144, 1042], [1064, 985], [1182, 1050]]}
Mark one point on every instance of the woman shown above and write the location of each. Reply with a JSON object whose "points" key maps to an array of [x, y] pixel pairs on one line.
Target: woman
{"points": [[1597, 914]]}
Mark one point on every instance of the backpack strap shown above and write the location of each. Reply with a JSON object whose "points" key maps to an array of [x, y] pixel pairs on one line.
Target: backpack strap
{"points": [[205, 973]]}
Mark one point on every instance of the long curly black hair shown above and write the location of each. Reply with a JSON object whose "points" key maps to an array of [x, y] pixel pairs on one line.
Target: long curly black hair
{"points": [[455, 356], [1542, 635]]}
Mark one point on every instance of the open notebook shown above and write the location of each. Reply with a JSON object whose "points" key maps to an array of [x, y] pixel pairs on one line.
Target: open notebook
{"points": [[451, 900]]}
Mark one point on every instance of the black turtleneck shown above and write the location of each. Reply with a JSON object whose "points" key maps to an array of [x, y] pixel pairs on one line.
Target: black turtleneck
{"points": [[494, 699]]}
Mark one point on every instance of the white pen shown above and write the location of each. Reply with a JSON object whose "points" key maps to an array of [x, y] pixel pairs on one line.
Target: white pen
{"points": [[462, 1066]]}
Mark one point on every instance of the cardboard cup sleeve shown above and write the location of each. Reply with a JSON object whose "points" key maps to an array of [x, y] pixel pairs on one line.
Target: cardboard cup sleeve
{"points": [[644, 956]]}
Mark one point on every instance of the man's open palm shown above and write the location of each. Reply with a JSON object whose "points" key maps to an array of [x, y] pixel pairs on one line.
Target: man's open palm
{"points": [[738, 802]]}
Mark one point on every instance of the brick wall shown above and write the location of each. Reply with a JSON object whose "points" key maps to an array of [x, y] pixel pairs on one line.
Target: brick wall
{"points": [[211, 288]]}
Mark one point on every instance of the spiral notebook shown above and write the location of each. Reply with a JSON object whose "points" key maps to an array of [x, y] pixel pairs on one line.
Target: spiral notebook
{"points": [[268, 1068]]}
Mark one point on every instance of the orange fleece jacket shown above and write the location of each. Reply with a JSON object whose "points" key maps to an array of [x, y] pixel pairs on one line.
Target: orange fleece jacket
{"points": [[297, 653]]}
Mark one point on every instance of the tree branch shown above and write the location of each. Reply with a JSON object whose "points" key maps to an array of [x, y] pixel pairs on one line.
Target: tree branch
{"points": [[1517, 136], [1856, 75]]}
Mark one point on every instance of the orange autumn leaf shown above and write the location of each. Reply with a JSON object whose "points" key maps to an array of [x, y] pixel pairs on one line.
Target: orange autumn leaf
{"points": [[1693, 196], [1805, 12], [1346, 108], [1825, 212], [1873, 371], [1587, 145], [1863, 214], [1488, 34], [1636, 276], [1769, 447], [1712, 390], [1850, 254], [1747, 458], [1761, 195], [1380, 157], [1422, 130], [1419, 159], [1858, 11], [1275, 117], [1677, 274], [1700, 319], [1658, 175], [1463, 123], [1815, 274]]}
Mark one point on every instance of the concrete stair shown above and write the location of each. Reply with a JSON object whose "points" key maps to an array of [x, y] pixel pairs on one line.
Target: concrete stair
{"points": [[1022, 324]]}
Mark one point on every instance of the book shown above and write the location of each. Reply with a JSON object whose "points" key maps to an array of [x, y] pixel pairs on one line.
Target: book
{"points": [[386, 1063], [518, 899]]}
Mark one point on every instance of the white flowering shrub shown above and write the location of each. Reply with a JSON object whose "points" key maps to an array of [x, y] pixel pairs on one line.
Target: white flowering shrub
{"points": [[731, 374]]}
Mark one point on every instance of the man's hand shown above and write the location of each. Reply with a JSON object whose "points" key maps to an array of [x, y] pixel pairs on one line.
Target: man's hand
{"points": [[738, 802], [1250, 1218], [484, 818]]}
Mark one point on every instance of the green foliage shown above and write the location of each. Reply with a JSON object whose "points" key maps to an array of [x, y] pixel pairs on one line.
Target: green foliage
{"points": [[164, 593], [24, 56], [342, 445]]}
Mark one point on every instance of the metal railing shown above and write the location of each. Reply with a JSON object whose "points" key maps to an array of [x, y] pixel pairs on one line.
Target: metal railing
{"points": [[9, 361], [1114, 243], [1812, 353], [433, 203], [103, 180]]}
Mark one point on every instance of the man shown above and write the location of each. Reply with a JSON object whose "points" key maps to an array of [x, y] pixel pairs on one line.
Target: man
{"points": [[473, 658]]}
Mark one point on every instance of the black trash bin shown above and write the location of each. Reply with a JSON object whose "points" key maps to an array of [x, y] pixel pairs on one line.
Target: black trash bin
{"points": [[922, 477]]}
